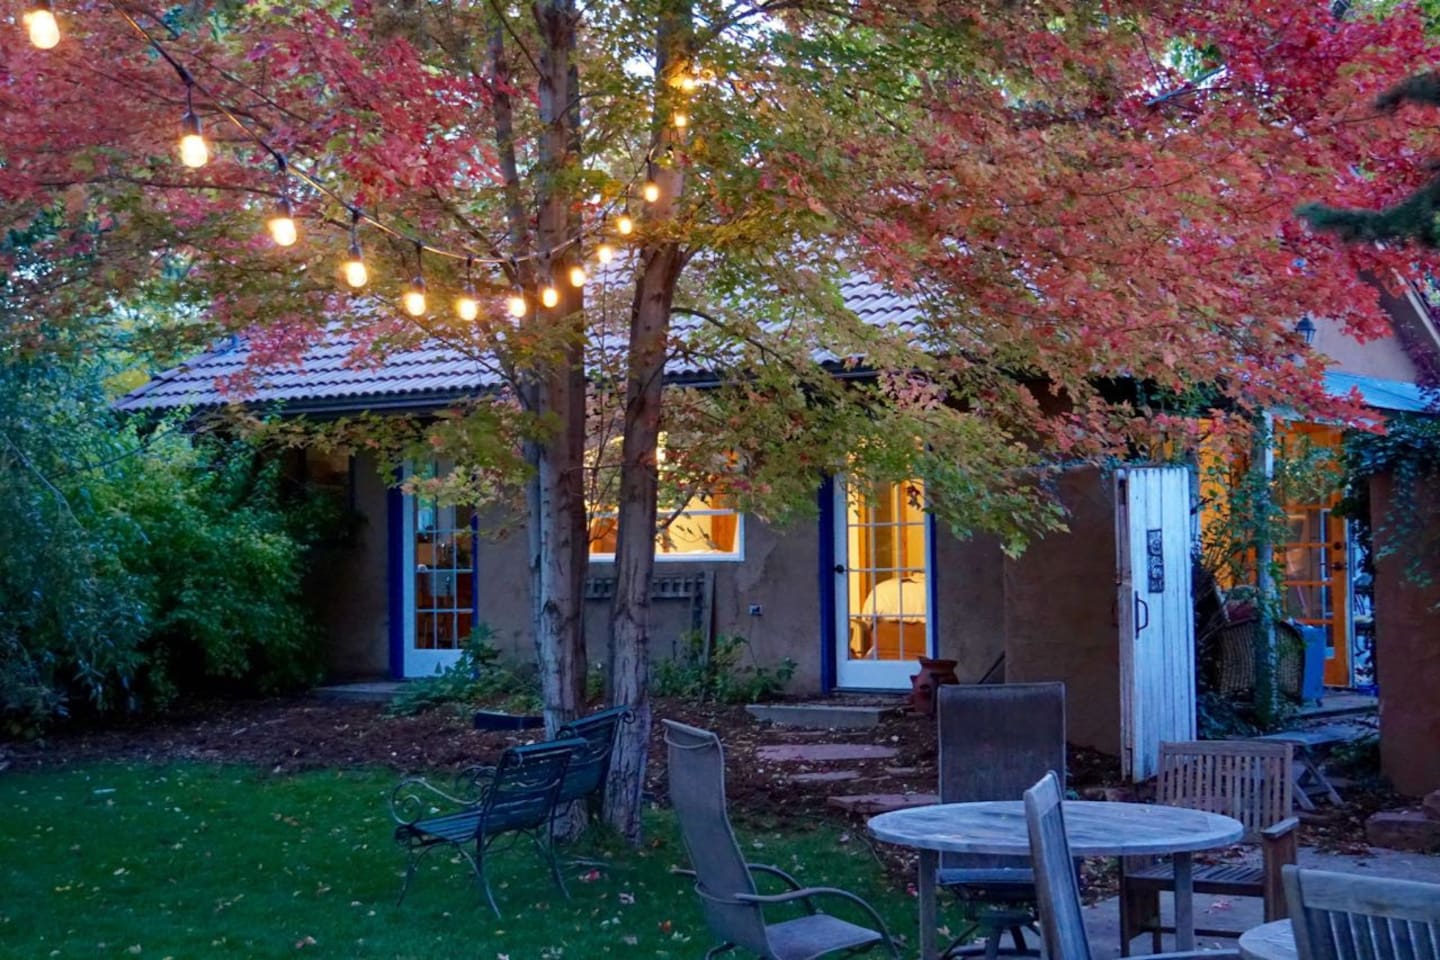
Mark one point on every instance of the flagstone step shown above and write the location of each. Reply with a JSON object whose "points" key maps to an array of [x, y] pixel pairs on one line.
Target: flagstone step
{"points": [[823, 752], [821, 716], [870, 804], [824, 776]]}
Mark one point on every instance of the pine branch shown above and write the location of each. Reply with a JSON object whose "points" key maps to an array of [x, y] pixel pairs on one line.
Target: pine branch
{"points": [[1414, 218]]}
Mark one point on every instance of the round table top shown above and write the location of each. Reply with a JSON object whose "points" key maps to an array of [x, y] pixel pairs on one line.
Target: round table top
{"points": [[1269, 941], [1095, 828]]}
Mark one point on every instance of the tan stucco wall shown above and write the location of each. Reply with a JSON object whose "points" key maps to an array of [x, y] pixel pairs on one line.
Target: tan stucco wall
{"points": [[1407, 661], [970, 594], [349, 586], [1383, 358], [1060, 613]]}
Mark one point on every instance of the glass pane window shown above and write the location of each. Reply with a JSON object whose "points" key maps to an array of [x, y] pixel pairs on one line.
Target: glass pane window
{"points": [[706, 528], [444, 572], [885, 578]]}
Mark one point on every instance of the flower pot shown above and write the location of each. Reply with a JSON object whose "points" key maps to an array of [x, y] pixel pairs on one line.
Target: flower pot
{"points": [[933, 674]]}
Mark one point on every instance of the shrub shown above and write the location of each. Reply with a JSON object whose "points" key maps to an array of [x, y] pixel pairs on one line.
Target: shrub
{"points": [[478, 677], [720, 676]]}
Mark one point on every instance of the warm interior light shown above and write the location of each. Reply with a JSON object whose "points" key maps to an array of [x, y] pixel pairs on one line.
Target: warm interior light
{"points": [[40, 21], [193, 151], [282, 224], [467, 308], [550, 297], [651, 191], [414, 298], [604, 253], [516, 304], [624, 225], [577, 276]]}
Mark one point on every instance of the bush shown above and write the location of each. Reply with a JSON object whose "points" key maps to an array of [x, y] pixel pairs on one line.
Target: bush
{"points": [[135, 565], [478, 678], [720, 677]]}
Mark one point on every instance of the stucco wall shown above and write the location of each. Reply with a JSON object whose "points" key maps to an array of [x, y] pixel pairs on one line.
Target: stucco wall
{"points": [[1060, 613], [1383, 358], [349, 586], [970, 596], [1407, 660]]}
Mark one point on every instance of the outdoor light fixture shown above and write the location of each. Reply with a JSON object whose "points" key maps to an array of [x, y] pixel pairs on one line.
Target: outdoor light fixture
{"points": [[550, 297], [577, 276], [604, 253], [40, 21], [515, 304], [193, 151], [1306, 329], [624, 225], [282, 224], [650, 191], [413, 300], [467, 306], [354, 266]]}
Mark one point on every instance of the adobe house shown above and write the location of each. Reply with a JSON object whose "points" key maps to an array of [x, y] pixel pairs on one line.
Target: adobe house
{"points": [[855, 597]]}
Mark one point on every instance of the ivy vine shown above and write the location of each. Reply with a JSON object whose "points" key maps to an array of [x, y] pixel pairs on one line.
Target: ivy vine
{"points": [[1409, 452]]}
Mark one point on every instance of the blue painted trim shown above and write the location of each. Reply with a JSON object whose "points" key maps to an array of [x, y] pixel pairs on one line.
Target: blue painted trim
{"points": [[827, 585], [932, 588], [395, 576]]}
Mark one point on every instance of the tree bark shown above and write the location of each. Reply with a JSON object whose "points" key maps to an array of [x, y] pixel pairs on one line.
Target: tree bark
{"points": [[659, 271], [556, 392]]}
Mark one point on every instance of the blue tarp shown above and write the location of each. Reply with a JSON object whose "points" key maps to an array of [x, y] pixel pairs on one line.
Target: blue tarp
{"points": [[1380, 394]]}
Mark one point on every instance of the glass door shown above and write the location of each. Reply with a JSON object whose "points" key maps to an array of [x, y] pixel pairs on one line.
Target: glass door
{"points": [[440, 588], [882, 593], [1317, 581]]}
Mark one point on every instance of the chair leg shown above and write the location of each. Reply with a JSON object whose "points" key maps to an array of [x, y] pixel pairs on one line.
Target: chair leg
{"points": [[477, 863], [992, 944], [412, 862], [547, 848], [1017, 936], [716, 951]]}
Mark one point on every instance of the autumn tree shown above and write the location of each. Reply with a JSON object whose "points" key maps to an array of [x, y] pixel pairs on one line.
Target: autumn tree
{"points": [[1086, 207]]}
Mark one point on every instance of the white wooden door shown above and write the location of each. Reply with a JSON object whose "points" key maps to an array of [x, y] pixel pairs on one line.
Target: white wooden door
{"points": [[1154, 535], [882, 585]]}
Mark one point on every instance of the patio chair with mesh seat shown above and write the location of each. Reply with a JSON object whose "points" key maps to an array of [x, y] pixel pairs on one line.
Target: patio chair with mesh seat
{"points": [[733, 906]]}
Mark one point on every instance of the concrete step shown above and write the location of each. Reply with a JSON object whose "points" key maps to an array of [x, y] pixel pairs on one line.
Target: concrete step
{"points": [[823, 752], [374, 691], [820, 716], [869, 804]]}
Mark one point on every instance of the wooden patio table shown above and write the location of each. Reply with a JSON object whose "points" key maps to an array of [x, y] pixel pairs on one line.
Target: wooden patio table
{"points": [[1269, 941], [1095, 828]]}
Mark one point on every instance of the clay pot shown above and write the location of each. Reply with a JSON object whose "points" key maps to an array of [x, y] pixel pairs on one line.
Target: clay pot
{"points": [[933, 674]]}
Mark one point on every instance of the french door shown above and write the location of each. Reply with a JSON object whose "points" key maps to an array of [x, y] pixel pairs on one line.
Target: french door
{"points": [[882, 590], [439, 587]]}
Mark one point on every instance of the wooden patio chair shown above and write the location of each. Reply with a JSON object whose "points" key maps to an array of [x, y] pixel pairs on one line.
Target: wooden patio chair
{"points": [[516, 796], [1342, 916], [1057, 888], [1245, 779], [995, 741], [725, 883]]}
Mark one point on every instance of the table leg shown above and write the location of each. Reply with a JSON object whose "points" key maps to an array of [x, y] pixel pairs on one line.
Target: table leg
{"points": [[929, 863], [1184, 903]]}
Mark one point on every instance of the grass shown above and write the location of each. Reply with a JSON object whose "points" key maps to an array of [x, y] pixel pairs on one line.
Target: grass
{"points": [[187, 861]]}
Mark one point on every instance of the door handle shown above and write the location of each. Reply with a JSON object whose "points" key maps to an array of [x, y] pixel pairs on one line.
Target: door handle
{"points": [[1141, 607], [839, 568]]}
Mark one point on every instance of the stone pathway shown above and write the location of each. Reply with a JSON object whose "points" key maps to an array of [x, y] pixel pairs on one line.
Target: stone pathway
{"points": [[887, 785]]}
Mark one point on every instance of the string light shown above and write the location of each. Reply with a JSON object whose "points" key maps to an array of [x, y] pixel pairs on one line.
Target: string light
{"points": [[40, 21], [550, 297], [354, 266], [414, 298], [282, 224], [681, 120], [624, 225], [516, 304], [467, 306], [604, 253], [577, 276], [193, 151], [650, 191]]}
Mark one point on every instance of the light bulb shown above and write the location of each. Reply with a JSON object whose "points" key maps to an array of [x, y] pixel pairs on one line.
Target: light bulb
{"points": [[651, 191], [414, 298], [354, 266], [604, 253], [467, 308], [550, 297], [282, 224], [577, 276], [516, 304], [193, 151], [40, 21], [681, 120], [688, 83], [624, 225]]}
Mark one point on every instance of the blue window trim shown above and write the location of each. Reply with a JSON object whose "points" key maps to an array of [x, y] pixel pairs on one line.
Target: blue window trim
{"points": [[395, 575], [932, 588], [826, 527]]}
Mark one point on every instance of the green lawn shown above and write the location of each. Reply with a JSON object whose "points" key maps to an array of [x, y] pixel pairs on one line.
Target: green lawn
{"points": [[190, 861]]}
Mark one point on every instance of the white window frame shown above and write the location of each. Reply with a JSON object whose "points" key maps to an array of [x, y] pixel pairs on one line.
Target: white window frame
{"points": [[709, 556]]}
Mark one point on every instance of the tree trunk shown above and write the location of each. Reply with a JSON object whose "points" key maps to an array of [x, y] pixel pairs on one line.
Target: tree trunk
{"points": [[558, 541], [1262, 463], [658, 273]]}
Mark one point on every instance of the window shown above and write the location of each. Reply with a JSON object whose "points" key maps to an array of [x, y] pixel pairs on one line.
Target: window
{"points": [[443, 570], [706, 527]]}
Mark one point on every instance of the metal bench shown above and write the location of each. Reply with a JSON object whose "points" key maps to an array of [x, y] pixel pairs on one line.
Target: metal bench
{"points": [[516, 796], [589, 769]]}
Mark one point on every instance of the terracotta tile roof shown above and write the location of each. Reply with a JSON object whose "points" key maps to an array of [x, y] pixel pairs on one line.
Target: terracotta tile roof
{"points": [[327, 380]]}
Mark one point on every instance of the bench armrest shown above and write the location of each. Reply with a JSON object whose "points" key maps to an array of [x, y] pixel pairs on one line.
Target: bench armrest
{"points": [[413, 798], [806, 893], [1278, 831]]}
